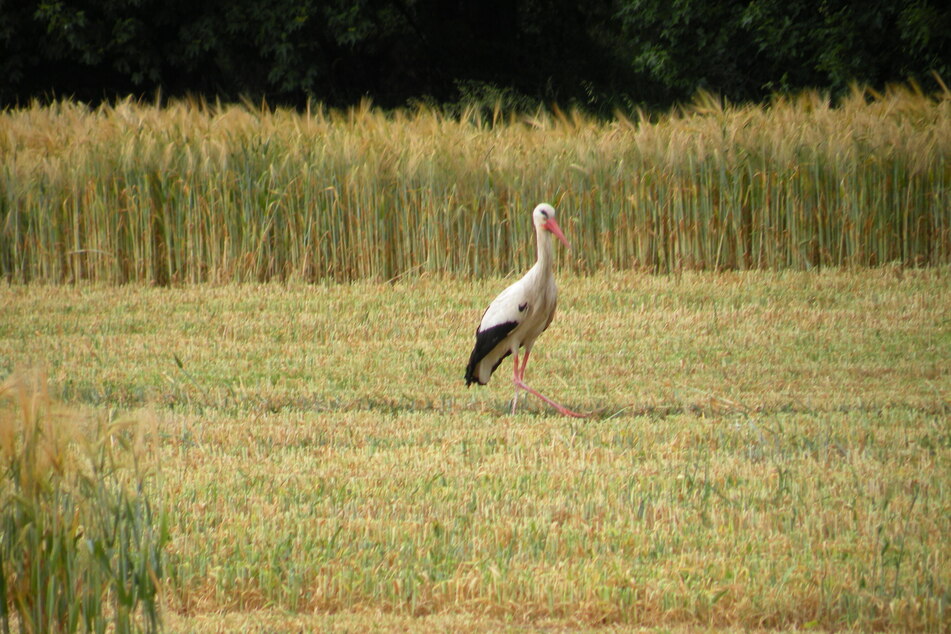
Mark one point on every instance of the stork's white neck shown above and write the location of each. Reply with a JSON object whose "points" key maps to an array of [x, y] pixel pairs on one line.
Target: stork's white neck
{"points": [[544, 250]]}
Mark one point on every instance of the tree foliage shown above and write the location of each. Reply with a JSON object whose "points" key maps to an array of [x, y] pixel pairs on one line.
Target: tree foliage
{"points": [[599, 54]]}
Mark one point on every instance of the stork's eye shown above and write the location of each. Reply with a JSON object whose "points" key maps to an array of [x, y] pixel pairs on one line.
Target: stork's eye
{"points": [[544, 213]]}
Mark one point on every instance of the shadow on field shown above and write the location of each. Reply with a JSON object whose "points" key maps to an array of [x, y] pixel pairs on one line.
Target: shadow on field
{"points": [[601, 411], [231, 401], [494, 408]]}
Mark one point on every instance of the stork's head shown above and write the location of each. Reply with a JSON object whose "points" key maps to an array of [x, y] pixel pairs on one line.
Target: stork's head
{"points": [[544, 218]]}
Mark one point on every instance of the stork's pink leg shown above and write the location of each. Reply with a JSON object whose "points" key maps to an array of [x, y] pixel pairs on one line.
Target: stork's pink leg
{"points": [[564, 410], [520, 383], [521, 373], [516, 379]]}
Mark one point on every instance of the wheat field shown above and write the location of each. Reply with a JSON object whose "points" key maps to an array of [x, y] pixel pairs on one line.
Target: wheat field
{"points": [[253, 325], [769, 450], [195, 192]]}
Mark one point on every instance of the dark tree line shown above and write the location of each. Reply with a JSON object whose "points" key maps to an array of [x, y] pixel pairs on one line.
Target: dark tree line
{"points": [[598, 54]]}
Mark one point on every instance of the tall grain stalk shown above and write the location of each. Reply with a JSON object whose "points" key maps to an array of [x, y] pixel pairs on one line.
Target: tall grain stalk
{"points": [[81, 544], [193, 192]]}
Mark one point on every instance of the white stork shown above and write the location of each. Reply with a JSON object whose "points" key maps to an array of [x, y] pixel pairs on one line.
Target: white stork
{"points": [[519, 314]]}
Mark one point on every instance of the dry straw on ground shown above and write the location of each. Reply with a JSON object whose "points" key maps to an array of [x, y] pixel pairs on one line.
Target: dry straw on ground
{"points": [[773, 449]]}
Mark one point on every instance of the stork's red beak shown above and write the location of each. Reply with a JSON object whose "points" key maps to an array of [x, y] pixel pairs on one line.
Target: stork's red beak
{"points": [[552, 226]]}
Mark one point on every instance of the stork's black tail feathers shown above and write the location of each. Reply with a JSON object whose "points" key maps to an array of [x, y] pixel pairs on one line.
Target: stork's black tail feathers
{"points": [[470, 374], [474, 358]]}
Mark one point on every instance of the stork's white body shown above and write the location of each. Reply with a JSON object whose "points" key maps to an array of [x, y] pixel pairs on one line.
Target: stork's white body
{"points": [[520, 314]]}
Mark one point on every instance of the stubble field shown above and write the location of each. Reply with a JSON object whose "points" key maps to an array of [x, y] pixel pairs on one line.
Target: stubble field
{"points": [[769, 450]]}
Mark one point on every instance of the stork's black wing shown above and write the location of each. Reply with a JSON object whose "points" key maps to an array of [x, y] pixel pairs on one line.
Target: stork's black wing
{"points": [[486, 340], [503, 315]]}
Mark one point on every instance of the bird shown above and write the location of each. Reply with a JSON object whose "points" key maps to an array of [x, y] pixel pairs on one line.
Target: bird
{"points": [[520, 314]]}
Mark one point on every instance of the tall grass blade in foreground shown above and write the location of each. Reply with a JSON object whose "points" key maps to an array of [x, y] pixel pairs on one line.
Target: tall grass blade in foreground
{"points": [[81, 543], [193, 192]]}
